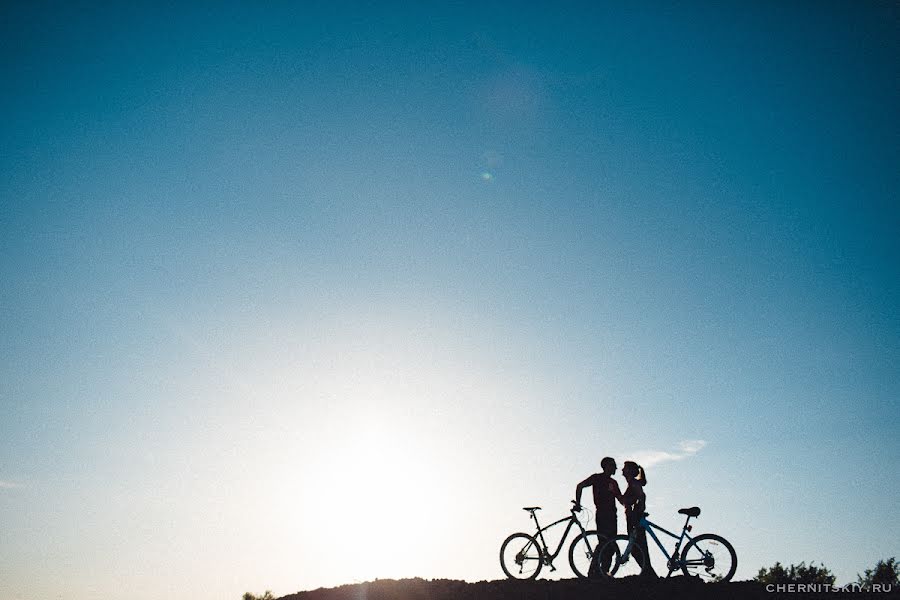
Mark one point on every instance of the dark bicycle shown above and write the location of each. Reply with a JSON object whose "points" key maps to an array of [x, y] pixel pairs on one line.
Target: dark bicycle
{"points": [[522, 555]]}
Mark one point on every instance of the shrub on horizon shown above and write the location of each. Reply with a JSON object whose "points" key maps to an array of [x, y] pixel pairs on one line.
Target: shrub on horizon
{"points": [[795, 574], [886, 572], [267, 596]]}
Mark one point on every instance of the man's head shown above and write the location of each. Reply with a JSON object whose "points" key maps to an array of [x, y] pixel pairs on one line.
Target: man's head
{"points": [[608, 465]]}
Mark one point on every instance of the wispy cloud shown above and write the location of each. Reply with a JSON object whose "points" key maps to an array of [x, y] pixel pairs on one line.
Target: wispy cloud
{"points": [[686, 449], [9, 485]]}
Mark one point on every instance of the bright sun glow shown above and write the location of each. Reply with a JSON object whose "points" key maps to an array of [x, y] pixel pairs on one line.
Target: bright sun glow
{"points": [[380, 484]]}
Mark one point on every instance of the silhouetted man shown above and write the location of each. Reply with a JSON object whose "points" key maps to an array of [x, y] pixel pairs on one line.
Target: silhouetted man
{"points": [[606, 491]]}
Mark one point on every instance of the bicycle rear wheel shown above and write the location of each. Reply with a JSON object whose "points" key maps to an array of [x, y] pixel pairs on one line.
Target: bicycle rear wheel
{"points": [[622, 564], [520, 556], [709, 557]]}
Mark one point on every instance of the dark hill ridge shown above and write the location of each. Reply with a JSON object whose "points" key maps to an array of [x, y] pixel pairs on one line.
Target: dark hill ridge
{"points": [[632, 588]]}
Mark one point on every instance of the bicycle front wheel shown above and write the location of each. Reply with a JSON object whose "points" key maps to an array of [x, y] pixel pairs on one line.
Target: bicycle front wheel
{"points": [[520, 556], [622, 560], [583, 551], [709, 557]]}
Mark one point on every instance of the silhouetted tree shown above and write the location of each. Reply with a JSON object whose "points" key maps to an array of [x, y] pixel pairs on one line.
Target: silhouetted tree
{"points": [[795, 574], [886, 572], [267, 596]]}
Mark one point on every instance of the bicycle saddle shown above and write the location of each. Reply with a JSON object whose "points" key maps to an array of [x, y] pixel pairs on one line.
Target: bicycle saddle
{"points": [[691, 512], [532, 508]]}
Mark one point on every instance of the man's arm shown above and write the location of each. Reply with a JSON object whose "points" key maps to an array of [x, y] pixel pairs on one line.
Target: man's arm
{"points": [[586, 483], [614, 488]]}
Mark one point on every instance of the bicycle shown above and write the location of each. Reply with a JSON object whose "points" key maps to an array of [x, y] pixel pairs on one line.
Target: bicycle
{"points": [[522, 555], [707, 556]]}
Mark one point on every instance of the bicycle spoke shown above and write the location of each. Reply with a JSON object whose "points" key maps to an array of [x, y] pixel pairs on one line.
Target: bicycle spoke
{"points": [[520, 557], [709, 557]]}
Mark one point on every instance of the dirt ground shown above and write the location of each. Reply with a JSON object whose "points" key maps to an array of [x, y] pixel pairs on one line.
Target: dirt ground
{"points": [[676, 588]]}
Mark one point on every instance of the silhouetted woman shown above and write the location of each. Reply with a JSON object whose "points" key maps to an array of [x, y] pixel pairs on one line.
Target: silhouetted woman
{"points": [[635, 501]]}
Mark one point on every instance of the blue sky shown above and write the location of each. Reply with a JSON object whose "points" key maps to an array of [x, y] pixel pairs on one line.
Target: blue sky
{"points": [[276, 276]]}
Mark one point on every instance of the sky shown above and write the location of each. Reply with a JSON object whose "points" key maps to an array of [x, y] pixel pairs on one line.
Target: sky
{"points": [[303, 294]]}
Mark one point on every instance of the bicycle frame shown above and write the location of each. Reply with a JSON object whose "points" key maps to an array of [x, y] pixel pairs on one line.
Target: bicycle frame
{"points": [[548, 557], [650, 526], [673, 561]]}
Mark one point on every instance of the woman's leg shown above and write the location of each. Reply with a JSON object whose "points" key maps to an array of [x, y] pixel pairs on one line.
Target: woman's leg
{"points": [[641, 540]]}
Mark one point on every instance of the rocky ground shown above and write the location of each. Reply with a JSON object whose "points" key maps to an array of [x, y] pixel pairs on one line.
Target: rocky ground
{"points": [[632, 588]]}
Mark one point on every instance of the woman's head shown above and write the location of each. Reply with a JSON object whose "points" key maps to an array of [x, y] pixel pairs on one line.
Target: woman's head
{"points": [[634, 472]]}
